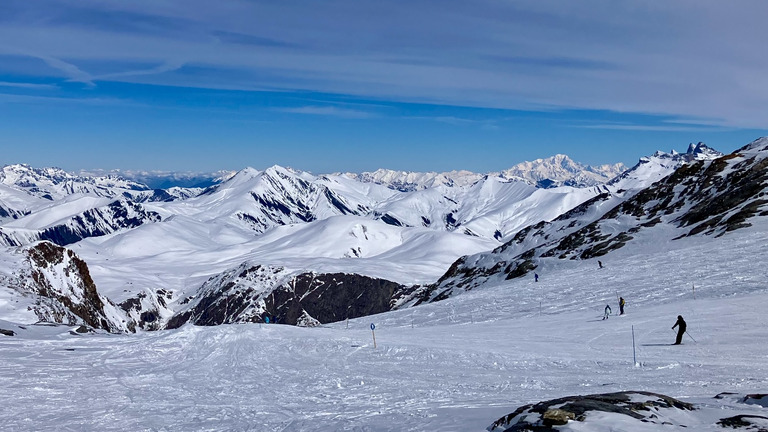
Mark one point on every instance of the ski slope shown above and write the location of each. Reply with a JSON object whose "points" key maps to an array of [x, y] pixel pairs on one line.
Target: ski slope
{"points": [[455, 365]]}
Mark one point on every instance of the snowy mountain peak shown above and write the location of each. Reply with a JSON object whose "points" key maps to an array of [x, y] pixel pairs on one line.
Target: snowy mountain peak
{"points": [[558, 170], [701, 151], [51, 183], [561, 170], [411, 181], [659, 165], [698, 151], [756, 145], [244, 174]]}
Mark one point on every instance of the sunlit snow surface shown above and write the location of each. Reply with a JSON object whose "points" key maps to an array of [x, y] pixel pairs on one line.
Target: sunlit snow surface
{"points": [[456, 365]]}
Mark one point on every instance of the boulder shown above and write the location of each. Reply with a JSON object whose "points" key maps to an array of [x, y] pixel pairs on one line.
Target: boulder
{"points": [[751, 423], [545, 416]]}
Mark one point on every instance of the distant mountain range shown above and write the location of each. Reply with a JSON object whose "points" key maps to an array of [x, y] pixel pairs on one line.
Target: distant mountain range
{"points": [[558, 170], [308, 249]]}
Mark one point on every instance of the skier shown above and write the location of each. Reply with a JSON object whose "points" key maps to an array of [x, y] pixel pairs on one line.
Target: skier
{"points": [[681, 326], [600, 263], [607, 312], [621, 305], [536, 277]]}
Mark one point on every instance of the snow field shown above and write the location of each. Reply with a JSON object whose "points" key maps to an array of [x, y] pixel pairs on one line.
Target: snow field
{"points": [[455, 365]]}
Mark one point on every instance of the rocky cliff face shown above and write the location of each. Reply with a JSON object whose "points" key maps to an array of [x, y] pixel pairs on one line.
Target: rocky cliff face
{"points": [[254, 293], [65, 291]]}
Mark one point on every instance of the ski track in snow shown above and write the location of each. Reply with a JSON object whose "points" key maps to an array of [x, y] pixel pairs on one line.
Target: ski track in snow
{"points": [[455, 365]]}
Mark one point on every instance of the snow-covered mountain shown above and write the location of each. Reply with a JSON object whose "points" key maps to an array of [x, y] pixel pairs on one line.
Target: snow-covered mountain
{"points": [[678, 234], [28, 189], [75, 218], [560, 170], [703, 195], [55, 183], [555, 171], [659, 165], [180, 260]]}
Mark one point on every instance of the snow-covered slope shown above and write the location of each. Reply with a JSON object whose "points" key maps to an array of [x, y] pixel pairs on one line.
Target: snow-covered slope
{"points": [[465, 363], [75, 218], [702, 197], [456, 365], [659, 165]]}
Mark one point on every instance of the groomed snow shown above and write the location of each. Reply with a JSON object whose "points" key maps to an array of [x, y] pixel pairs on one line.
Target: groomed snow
{"points": [[456, 365]]}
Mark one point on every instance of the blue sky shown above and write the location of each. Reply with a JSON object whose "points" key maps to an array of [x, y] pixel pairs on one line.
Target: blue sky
{"points": [[356, 85]]}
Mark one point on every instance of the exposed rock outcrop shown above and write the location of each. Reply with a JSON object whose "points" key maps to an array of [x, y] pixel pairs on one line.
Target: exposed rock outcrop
{"points": [[65, 291], [545, 416], [254, 293], [703, 196]]}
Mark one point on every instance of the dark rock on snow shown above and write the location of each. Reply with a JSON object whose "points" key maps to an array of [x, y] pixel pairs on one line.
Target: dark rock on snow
{"points": [[545, 416]]}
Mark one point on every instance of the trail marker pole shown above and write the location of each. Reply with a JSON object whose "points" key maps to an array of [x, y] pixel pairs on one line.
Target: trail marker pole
{"points": [[694, 291], [539, 308], [373, 332], [634, 352]]}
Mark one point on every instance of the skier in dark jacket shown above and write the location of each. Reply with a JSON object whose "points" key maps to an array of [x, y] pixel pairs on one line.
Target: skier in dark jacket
{"points": [[681, 326], [607, 312], [621, 305]]}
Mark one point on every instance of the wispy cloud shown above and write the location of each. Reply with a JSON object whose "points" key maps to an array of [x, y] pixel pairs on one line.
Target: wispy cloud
{"points": [[31, 86], [70, 70], [486, 124], [650, 128], [47, 100], [659, 125], [631, 56], [163, 68], [328, 111]]}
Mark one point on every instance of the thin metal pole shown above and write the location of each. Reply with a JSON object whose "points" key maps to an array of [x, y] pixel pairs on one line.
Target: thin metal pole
{"points": [[634, 352]]}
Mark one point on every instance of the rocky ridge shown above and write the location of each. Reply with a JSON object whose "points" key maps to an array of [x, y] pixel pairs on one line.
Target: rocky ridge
{"points": [[700, 197]]}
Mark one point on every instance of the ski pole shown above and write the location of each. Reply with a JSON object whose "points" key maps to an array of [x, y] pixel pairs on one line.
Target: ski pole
{"points": [[689, 335]]}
